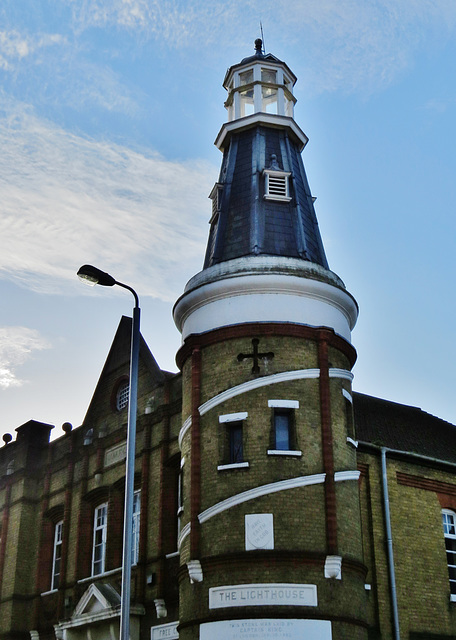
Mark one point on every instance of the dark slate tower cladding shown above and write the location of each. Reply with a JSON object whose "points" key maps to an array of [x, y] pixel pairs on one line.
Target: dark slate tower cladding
{"points": [[270, 536]]}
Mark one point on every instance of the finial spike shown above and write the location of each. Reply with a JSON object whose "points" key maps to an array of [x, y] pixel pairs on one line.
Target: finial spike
{"points": [[262, 38]]}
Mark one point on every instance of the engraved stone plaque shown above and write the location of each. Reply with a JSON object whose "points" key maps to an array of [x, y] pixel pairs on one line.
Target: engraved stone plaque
{"points": [[259, 531], [115, 454], [266, 629], [256, 595]]}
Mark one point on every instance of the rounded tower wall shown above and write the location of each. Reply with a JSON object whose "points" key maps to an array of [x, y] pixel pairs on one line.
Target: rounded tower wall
{"points": [[270, 529]]}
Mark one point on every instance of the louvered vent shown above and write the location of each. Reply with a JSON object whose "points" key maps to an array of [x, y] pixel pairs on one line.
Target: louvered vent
{"points": [[276, 187], [216, 197]]}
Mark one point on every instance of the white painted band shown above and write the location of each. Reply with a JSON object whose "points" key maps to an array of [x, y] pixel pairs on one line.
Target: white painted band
{"points": [[262, 490], [264, 381]]}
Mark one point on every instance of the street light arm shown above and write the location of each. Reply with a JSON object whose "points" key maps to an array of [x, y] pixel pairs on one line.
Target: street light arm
{"points": [[126, 286]]}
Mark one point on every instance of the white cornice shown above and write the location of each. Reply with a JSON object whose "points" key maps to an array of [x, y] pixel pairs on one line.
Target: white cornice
{"points": [[267, 296], [267, 119]]}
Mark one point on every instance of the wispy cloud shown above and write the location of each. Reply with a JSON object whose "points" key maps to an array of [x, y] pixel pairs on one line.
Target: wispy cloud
{"points": [[349, 44], [15, 46], [67, 200], [17, 345]]}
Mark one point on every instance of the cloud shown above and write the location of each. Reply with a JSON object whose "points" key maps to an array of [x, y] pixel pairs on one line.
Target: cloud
{"points": [[67, 200], [347, 44], [15, 46], [16, 346]]}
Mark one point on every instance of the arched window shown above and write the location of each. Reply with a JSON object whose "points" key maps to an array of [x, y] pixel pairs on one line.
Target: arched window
{"points": [[449, 531]]}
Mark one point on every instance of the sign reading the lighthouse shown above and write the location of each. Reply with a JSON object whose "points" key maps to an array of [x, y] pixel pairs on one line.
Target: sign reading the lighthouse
{"points": [[251, 595], [266, 629]]}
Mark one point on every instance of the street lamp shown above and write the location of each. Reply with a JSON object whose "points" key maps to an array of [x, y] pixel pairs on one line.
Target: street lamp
{"points": [[92, 276]]}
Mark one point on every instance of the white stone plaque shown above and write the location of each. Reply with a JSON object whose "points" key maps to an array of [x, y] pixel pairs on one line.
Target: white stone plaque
{"points": [[115, 454], [168, 631], [254, 595], [266, 629], [259, 531]]}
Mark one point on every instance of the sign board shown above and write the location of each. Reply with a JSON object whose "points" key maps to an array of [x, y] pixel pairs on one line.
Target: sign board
{"points": [[165, 631], [115, 454], [251, 595]]}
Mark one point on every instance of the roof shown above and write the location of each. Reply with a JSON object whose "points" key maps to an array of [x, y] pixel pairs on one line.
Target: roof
{"points": [[247, 223], [404, 428]]}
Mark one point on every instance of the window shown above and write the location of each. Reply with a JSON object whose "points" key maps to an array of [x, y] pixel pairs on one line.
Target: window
{"points": [[276, 185], [57, 555], [122, 395], [100, 523], [135, 527], [233, 439], [236, 452], [449, 531], [282, 429], [180, 497], [283, 439]]}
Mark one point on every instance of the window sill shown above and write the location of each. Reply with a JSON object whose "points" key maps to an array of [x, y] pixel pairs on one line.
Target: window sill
{"points": [[174, 554], [48, 593], [102, 575], [284, 452], [235, 465]]}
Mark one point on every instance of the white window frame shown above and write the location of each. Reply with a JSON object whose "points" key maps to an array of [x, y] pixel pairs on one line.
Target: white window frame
{"points": [[446, 514], [123, 395], [288, 406], [100, 513], [135, 527], [57, 555], [272, 186], [180, 497]]}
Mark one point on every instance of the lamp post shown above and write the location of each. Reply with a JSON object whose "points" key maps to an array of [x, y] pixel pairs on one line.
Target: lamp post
{"points": [[92, 276]]}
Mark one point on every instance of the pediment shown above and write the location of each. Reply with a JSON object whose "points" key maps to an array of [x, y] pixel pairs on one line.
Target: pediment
{"points": [[96, 599]]}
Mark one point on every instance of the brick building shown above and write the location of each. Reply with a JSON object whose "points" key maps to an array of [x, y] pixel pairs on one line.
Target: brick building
{"points": [[271, 501]]}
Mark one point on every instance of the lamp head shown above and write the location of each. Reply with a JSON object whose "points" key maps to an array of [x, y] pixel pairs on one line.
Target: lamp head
{"points": [[91, 275]]}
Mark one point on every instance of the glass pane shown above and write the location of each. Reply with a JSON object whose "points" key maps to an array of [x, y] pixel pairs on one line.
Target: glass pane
{"points": [[236, 452], [282, 431], [246, 102], [268, 75], [246, 77], [448, 524], [269, 102]]}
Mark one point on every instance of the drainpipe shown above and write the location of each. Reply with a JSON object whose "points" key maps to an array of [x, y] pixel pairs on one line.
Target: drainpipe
{"points": [[389, 541]]}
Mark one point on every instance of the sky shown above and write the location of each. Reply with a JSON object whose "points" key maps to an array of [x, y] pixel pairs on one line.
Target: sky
{"points": [[108, 114]]}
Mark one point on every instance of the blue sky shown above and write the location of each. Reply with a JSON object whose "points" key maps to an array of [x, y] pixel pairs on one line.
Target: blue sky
{"points": [[108, 113]]}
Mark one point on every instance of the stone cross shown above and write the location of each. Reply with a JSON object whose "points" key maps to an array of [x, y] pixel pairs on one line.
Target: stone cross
{"points": [[255, 356]]}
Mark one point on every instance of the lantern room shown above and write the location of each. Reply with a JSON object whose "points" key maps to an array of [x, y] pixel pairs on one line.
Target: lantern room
{"points": [[259, 84]]}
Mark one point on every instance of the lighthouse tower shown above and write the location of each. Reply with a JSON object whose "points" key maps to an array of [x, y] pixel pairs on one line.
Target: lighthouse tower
{"points": [[270, 536]]}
